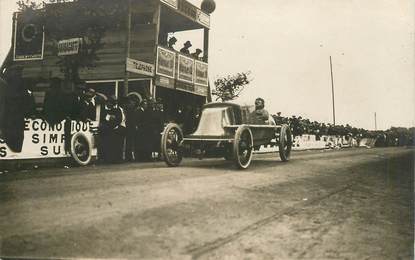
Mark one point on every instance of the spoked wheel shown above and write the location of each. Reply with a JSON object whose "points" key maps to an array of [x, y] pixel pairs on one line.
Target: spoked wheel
{"points": [[285, 143], [170, 145], [81, 149], [242, 147]]}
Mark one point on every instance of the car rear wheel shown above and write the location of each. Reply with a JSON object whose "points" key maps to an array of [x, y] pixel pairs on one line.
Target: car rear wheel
{"points": [[285, 143], [242, 147], [171, 139]]}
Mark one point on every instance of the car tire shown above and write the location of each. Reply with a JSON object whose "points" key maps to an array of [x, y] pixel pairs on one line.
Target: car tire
{"points": [[242, 147], [171, 139], [285, 143]]}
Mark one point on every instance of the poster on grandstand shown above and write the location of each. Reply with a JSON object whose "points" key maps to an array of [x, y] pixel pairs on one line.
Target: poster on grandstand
{"points": [[69, 46], [166, 62], [140, 67], [186, 69], [28, 38], [203, 18], [201, 90], [201, 73]]}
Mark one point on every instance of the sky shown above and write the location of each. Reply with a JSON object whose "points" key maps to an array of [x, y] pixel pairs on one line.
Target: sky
{"points": [[286, 44]]}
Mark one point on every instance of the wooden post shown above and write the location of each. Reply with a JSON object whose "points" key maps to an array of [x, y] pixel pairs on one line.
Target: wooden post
{"points": [[206, 44], [332, 92], [156, 41], [206, 58], [127, 48]]}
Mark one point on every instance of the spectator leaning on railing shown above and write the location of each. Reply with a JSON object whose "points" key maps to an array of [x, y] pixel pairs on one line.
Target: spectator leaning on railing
{"points": [[395, 136]]}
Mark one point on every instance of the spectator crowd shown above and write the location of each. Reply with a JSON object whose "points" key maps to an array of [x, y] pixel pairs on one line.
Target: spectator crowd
{"points": [[395, 136]]}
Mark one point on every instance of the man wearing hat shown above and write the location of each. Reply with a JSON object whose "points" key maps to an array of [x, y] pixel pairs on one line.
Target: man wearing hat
{"points": [[186, 47], [172, 42], [132, 114], [112, 131], [196, 54], [278, 118], [88, 106]]}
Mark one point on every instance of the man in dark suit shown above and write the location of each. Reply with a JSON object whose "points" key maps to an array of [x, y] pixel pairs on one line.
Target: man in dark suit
{"points": [[172, 41], [88, 105], [186, 47], [132, 113], [112, 131], [196, 54], [144, 129]]}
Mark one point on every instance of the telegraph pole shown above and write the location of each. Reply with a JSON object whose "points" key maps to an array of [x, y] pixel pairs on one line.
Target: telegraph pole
{"points": [[376, 124], [332, 92], [127, 48]]}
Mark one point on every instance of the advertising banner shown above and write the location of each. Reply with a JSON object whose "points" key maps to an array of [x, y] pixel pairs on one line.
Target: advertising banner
{"points": [[69, 46], [203, 18], [185, 87], [186, 69], [28, 38], [140, 67], [187, 9], [172, 3], [164, 82], [42, 140], [201, 73], [201, 90], [166, 62]]}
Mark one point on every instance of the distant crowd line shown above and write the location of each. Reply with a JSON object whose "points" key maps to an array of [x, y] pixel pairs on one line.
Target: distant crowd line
{"points": [[395, 136]]}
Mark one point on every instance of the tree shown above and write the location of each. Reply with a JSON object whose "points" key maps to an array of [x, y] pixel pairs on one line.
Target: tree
{"points": [[230, 87], [25, 5], [85, 19]]}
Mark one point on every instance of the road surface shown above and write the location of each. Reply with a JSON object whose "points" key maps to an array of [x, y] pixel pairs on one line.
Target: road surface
{"points": [[347, 204]]}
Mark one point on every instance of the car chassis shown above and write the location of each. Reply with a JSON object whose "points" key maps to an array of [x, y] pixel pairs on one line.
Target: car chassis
{"points": [[224, 130]]}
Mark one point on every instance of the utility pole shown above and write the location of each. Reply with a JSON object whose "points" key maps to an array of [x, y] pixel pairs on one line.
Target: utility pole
{"points": [[126, 75], [127, 47], [332, 92], [376, 124]]}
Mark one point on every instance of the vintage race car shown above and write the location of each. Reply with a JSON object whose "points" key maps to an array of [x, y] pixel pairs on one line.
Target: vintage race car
{"points": [[224, 130]]}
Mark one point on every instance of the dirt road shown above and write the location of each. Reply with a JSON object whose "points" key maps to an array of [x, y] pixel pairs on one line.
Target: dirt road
{"points": [[349, 204]]}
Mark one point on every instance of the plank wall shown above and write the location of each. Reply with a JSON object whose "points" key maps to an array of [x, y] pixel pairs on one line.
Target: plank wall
{"points": [[112, 57]]}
